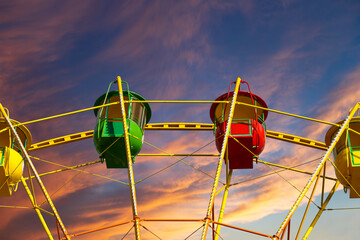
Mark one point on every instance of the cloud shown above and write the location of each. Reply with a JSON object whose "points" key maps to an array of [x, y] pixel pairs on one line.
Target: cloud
{"points": [[161, 44], [149, 28], [39, 66], [337, 104], [163, 49]]}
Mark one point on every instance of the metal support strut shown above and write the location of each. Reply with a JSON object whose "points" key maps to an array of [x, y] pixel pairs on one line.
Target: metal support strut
{"points": [[130, 169], [321, 210], [222, 208], [221, 158], [32, 199], [316, 172], [32, 167]]}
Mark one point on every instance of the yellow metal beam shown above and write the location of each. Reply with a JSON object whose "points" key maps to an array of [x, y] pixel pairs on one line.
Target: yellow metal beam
{"points": [[129, 162], [221, 159], [178, 154], [321, 210], [292, 169], [36, 208], [179, 126], [61, 140], [223, 203], [296, 139]]}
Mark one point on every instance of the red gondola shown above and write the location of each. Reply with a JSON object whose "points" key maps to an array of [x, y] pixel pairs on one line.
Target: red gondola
{"points": [[248, 130]]}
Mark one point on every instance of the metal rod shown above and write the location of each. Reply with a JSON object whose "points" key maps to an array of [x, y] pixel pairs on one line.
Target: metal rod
{"points": [[226, 191], [308, 205], [222, 154], [293, 169], [240, 103], [289, 224], [31, 183], [202, 220], [244, 230], [283, 233], [321, 210], [223, 203], [33, 169], [61, 115], [178, 155], [129, 161], [323, 184], [101, 228], [38, 212], [172, 220], [213, 224], [312, 178]]}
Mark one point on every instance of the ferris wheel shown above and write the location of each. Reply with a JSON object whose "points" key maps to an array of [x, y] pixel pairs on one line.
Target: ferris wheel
{"points": [[239, 128]]}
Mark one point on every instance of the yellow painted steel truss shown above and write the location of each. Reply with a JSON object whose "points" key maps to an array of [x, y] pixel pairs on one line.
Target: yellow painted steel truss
{"points": [[208, 220]]}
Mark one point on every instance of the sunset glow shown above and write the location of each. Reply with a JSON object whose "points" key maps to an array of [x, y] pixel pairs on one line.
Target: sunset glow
{"points": [[301, 57]]}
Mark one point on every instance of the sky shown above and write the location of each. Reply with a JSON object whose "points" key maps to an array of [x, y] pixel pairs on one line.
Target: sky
{"points": [[301, 57]]}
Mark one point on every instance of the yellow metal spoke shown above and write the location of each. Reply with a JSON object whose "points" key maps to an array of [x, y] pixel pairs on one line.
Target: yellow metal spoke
{"points": [[321, 210], [129, 162], [294, 169], [221, 158], [308, 205], [274, 172], [242, 103], [33, 169], [178, 160], [343, 127], [5, 206], [61, 115], [65, 168], [37, 209], [63, 185]]}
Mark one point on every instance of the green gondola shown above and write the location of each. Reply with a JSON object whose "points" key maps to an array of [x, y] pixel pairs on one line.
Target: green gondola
{"points": [[109, 134]]}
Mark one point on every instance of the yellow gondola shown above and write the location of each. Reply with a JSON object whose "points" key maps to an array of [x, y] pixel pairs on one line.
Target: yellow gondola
{"points": [[347, 156], [11, 160]]}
